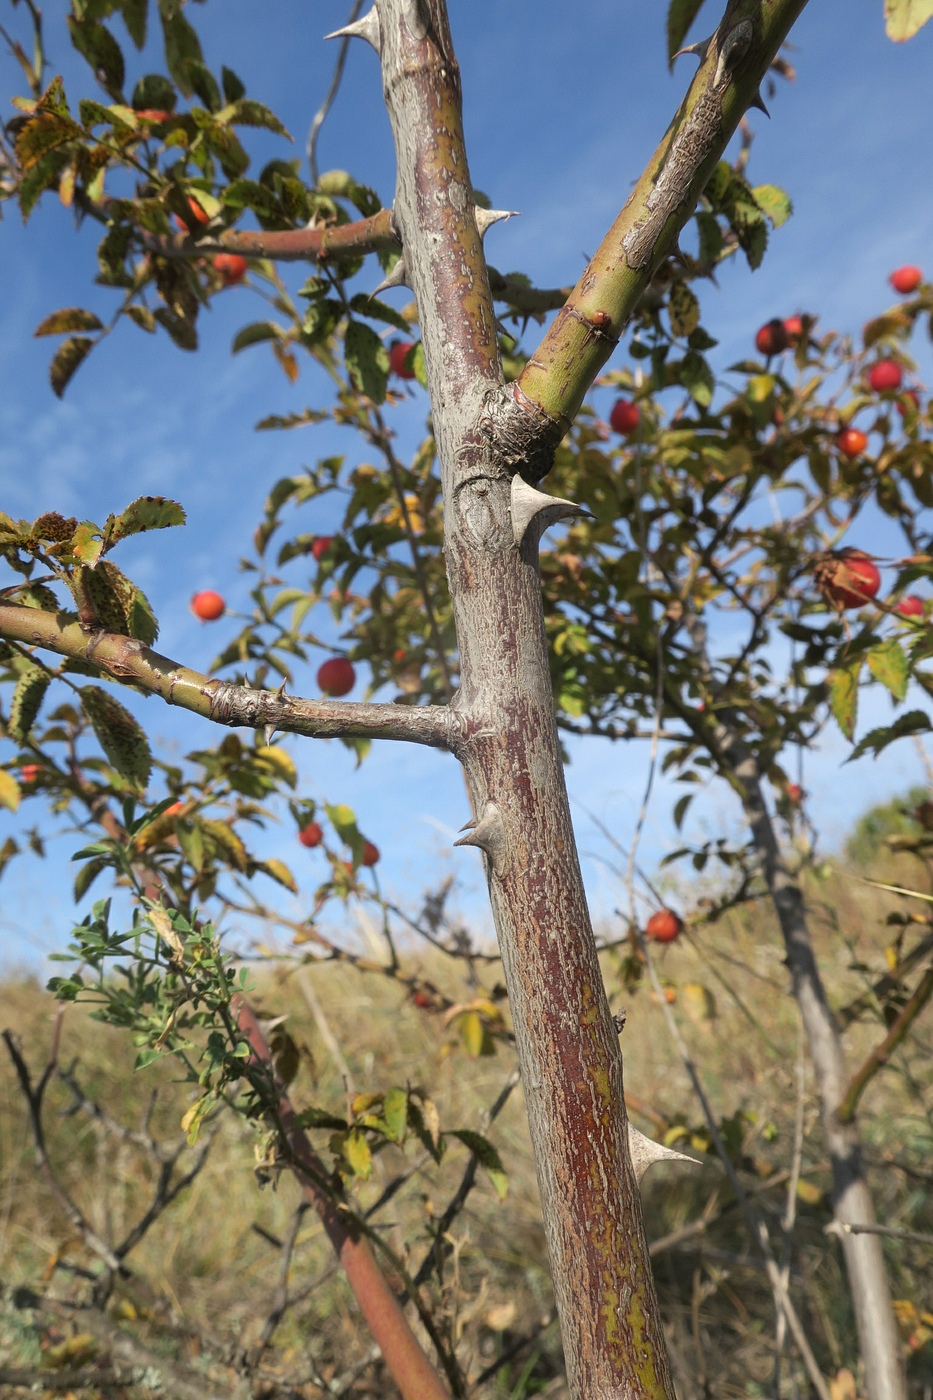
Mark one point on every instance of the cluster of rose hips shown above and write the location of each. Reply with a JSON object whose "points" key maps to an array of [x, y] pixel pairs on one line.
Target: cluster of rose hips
{"points": [[850, 579]]}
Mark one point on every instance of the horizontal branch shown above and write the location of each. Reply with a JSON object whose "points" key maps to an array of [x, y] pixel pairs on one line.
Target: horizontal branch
{"points": [[127, 660], [327, 243], [334, 243]]}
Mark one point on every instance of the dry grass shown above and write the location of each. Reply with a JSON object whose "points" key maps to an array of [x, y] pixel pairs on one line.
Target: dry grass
{"points": [[209, 1267]]}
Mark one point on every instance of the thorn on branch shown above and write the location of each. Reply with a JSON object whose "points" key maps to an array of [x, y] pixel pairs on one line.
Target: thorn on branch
{"points": [[489, 835], [530, 506], [367, 27]]}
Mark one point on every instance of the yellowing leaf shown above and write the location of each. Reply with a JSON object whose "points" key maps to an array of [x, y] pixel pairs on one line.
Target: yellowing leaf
{"points": [[10, 792], [888, 664], [843, 697], [809, 1193], [699, 1004], [280, 872], [360, 1158], [279, 759], [166, 930], [904, 17], [683, 309]]}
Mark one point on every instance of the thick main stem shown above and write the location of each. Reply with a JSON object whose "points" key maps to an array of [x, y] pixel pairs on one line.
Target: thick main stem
{"points": [[507, 740]]}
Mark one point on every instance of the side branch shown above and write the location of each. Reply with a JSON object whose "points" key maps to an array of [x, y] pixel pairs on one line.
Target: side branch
{"points": [[551, 388], [326, 244], [334, 243], [127, 660], [882, 1053]]}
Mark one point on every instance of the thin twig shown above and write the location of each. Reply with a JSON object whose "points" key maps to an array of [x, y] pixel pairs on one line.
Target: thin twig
{"points": [[840, 1227], [320, 115]]}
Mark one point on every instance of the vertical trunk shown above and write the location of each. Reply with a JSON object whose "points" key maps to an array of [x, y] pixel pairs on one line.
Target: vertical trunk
{"points": [[506, 737], [567, 1045], [879, 1342]]}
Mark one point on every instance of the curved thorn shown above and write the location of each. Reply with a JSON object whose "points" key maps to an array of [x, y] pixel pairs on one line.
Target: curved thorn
{"points": [[758, 101], [485, 218], [398, 277], [367, 28], [532, 506], [267, 734], [645, 1152], [489, 835], [700, 49]]}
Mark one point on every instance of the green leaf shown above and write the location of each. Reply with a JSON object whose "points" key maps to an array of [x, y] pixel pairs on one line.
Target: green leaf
{"points": [[233, 87], [182, 47], [96, 43], [680, 16], [488, 1158], [245, 112], [774, 202], [69, 356], [683, 309], [156, 92], [367, 361], [118, 734], [204, 83], [418, 364], [914, 722], [86, 877], [889, 665], [134, 17], [142, 316], [43, 175], [365, 305], [181, 330], [904, 17], [843, 697], [697, 378], [145, 513], [395, 1112], [254, 334], [71, 318], [27, 698]]}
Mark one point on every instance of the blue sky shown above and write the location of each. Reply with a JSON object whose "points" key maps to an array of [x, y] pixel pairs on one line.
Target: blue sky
{"points": [[562, 107]]}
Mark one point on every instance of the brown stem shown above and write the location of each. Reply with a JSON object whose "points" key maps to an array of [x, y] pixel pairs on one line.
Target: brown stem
{"points": [[882, 1053], [125, 659], [414, 1375]]}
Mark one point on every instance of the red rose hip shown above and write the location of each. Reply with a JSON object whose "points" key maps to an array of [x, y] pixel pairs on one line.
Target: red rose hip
{"points": [[906, 279], [398, 352], [311, 835], [911, 606], [231, 267], [625, 417], [336, 677], [885, 375], [851, 442], [208, 605], [664, 926], [849, 579], [370, 854], [321, 546], [772, 338]]}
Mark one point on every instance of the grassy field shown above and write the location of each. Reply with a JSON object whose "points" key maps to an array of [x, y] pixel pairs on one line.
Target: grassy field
{"points": [[206, 1277]]}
